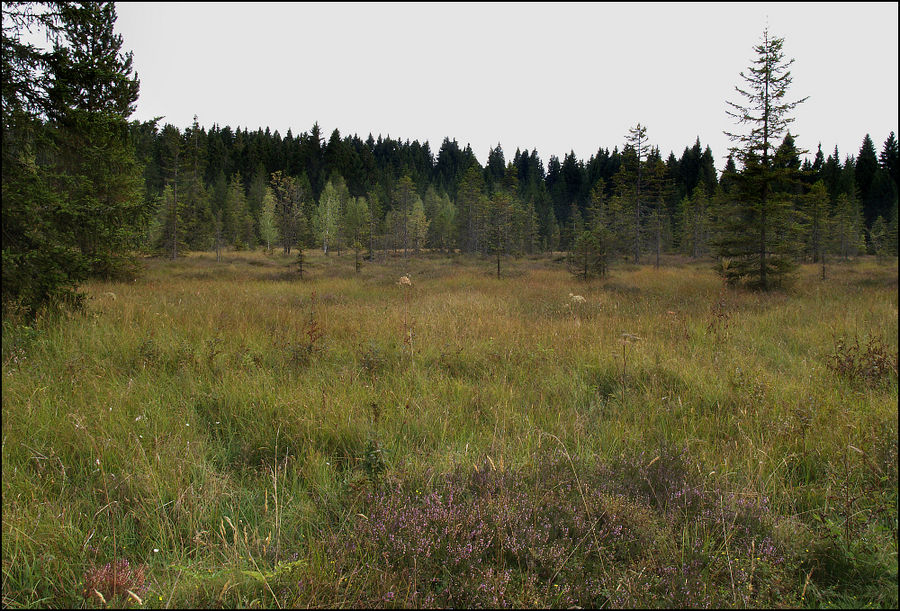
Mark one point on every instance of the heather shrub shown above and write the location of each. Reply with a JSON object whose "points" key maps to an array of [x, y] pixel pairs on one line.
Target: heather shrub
{"points": [[630, 532], [870, 362]]}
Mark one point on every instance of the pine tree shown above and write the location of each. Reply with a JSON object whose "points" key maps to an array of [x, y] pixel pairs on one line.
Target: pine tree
{"points": [[757, 243]]}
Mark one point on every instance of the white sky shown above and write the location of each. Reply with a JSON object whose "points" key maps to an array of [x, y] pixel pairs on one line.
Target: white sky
{"points": [[555, 77]]}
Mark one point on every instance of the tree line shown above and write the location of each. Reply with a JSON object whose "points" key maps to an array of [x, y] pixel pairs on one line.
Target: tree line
{"points": [[244, 189], [84, 188]]}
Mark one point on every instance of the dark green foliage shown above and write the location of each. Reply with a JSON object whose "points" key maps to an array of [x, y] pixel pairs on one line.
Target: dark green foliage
{"points": [[865, 171], [72, 204], [758, 233], [588, 257], [92, 95]]}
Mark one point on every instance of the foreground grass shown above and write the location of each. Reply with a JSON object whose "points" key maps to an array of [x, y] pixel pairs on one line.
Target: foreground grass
{"points": [[244, 438]]}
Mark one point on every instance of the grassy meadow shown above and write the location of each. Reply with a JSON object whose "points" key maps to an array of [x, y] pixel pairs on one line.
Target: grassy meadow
{"points": [[227, 434]]}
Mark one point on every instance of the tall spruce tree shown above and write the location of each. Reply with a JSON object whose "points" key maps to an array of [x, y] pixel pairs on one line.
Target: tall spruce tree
{"points": [[199, 222], [172, 212], [758, 241], [40, 267], [637, 140], [93, 94], [864, 172]]}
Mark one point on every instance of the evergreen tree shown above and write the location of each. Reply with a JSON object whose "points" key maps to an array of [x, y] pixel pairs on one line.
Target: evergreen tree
{"points": [[470, 204], [637, 141], [865, 171], [589, 256], [530, 228], [891, 239], [199, 218], [848, 226], [757, 243], [172, 213], [818, 229], [405, 197], [499, 217], [888, 158], [238, 224], [573, 228], [355, 225], [883, 193], [623, 206], [695, 222], [552, 239], [92, 94], [256, 190], [375, 217], [878, 238]]}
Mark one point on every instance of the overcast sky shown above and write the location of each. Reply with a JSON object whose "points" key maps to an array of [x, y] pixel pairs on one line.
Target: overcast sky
{"points": [[555, 77]]}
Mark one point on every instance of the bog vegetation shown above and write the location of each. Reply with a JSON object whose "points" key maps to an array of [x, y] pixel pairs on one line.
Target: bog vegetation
{"points": [[223, 433], [252, 370]]}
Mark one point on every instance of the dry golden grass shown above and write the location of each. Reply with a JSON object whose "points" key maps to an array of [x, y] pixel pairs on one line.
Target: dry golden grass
{"points": [[199, 383]]}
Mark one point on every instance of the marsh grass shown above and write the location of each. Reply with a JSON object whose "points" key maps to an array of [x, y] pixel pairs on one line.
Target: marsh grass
{"points": [[218, 413]]}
